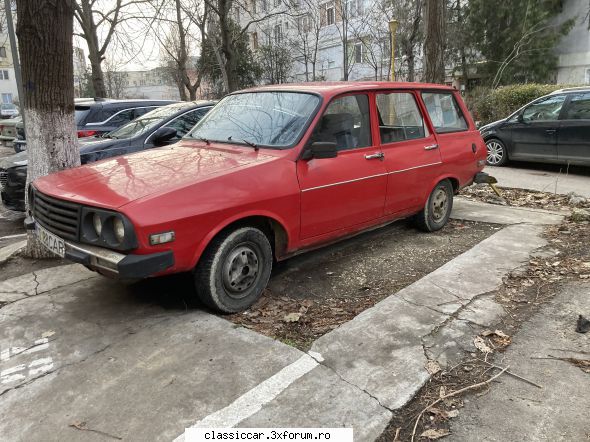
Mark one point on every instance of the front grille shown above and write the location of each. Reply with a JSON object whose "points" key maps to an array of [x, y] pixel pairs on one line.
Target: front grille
{"points": [[3, 179], [57, 216]]}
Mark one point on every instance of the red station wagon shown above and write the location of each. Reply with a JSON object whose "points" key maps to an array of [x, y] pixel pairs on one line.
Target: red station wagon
{"points": [[266, 174]]}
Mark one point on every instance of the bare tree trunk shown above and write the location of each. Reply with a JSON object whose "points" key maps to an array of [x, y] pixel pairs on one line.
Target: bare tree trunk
{"points": [[44, 31], [434, 41]]}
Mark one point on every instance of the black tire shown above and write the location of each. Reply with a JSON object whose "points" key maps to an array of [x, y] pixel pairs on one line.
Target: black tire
{"points": [[234, 270], [438, 208], [496, 154]]}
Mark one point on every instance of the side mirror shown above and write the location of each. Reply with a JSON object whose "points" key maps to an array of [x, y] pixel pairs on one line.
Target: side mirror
{"points": [[163, 134], [320, 149]]}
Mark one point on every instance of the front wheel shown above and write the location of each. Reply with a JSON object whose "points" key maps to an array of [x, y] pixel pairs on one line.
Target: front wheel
{"points": [[496, 153], [438, 208], [234, 270]]}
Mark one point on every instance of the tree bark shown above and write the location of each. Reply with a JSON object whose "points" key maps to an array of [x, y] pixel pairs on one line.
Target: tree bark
{"points": [[44, 31], [434, 41]]}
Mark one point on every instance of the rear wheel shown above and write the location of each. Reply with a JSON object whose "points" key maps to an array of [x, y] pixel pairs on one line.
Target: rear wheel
{"points": [[496, 153], [234, 270], [438, 208]]}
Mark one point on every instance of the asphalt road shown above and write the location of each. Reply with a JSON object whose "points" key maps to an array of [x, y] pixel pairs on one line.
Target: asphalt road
{"points": [[544, 177]]}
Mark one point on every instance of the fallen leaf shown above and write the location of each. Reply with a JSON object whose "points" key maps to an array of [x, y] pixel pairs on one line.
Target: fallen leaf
{"points": [[432, 367], [433, 434], [481, 345], [442, 392], [48, 333], [292, 317]]}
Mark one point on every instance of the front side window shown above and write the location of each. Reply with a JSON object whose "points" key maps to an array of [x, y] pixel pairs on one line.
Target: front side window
{"points": [[345, 122], [399, 118], [146, 122], [546, 109], [444, 112], [267, 119], [579, 107]]}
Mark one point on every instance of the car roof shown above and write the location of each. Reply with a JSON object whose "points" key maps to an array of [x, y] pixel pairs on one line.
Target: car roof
{"points": [[571, 90], [338, 87], [182, 105], [110, 101]]}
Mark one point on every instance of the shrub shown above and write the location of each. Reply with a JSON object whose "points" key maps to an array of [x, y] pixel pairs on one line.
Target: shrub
{"points": [[490, 105]]}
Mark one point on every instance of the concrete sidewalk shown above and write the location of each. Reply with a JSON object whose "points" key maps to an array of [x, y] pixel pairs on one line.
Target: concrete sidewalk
{"points": [[134, 362], [513, 411]]}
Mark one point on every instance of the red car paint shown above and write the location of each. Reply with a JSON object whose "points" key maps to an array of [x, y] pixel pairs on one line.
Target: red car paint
{"points": [[198, 189]]}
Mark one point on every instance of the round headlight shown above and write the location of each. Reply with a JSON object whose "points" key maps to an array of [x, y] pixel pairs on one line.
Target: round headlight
{"points": [[97, 222], [119, 229]]}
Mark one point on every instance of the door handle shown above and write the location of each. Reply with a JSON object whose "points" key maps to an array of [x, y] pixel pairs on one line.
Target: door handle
{"points": [[375, 156], [551, 131], [431, 147]]}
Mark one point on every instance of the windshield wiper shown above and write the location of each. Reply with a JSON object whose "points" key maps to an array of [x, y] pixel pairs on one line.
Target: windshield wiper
{"points": [[249, 143], [205, 140]]}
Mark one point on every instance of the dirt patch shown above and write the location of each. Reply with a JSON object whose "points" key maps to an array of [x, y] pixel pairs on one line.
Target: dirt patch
{"points": [[524, 198], [17, 265], [567, 259], [11, 223], [313, 294]]}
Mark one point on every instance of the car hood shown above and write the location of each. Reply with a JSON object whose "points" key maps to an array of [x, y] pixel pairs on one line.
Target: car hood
{"points": [[118, 181], [491, 126]]}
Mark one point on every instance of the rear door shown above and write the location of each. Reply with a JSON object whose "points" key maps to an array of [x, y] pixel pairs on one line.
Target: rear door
{"points": [[534, 135], [411, 152], [341, 192], [573, 141]]}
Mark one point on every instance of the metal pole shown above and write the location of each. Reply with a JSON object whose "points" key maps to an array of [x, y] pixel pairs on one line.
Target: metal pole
{"points": [[15, 60], [392, 29]]}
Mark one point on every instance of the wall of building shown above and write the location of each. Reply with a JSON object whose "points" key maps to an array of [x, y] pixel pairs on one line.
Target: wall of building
{"points": [[574, 48], [8, 88]]}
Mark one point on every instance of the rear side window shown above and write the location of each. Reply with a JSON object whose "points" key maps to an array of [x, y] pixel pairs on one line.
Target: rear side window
{"points": [[122, 117], [345, 122], [579, 107], [399, 118], [444, 112]]}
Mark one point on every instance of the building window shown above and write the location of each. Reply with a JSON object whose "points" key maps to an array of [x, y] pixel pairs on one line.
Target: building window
{"points": [[330, 15], [278, 34], [6, 98], [277, 3], [303, 23], [3, 51], [4, 75], [359, 56], [237, 13]]}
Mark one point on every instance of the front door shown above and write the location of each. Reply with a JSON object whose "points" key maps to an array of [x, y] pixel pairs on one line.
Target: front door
{"points": [[573, 141], [534, 134], [349, 190]]}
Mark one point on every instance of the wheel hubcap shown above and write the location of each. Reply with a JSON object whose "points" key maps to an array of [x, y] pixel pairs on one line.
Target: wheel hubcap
{"points": [[495, 152], [440, 204], [240, 270]]}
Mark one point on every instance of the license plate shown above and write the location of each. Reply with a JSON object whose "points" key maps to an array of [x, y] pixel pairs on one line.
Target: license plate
{"points": [[52, 242]]}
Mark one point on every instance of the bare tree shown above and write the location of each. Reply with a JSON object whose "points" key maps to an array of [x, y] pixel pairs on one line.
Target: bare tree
{"points": [[306, 41], [44, 31], [115, 78], [434, 41], [99, 23]]}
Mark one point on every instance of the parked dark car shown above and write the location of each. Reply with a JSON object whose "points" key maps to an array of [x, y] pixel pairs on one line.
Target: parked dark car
{"points": [[160, 127], [97, 116], [551, 129]]}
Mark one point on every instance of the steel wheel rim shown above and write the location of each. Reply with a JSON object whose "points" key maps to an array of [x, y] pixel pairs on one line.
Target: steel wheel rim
{"points": [[495, 152], [241, 270], [439, 205]]}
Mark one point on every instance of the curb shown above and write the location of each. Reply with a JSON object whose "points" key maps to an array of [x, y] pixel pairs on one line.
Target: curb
{"points": [[9, 251]]}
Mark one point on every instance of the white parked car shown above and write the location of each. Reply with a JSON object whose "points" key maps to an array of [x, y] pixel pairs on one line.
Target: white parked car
{"points": [[8, 110]]}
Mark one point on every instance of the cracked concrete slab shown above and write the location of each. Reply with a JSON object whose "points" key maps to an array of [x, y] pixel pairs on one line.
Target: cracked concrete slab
{"points": [[514, 410], [491, 213], [382, 351], [97, 352]]}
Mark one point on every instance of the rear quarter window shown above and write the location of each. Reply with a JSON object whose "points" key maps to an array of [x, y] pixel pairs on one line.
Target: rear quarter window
{"points": [[444, 112]]}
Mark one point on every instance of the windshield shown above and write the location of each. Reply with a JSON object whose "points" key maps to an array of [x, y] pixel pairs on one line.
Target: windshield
{"points": [[146, 122], [271, 119]]}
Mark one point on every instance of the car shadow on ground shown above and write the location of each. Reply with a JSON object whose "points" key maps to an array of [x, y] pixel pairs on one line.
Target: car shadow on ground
{"points": [[548, 167]]}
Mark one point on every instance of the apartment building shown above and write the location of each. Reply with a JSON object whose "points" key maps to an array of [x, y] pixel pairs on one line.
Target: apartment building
{"points": [[8, 88], [352, 36]]}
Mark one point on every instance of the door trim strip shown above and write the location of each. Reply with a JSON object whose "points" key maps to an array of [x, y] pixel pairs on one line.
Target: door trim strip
{"points": [[370, 176]]}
